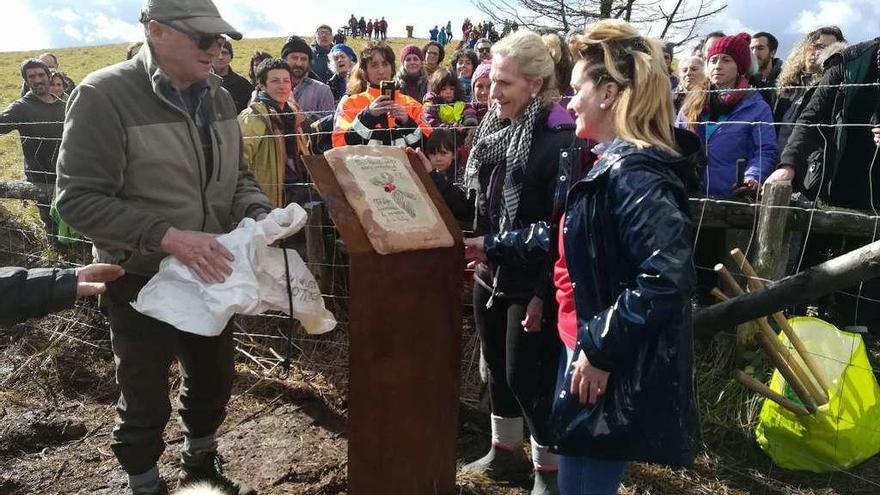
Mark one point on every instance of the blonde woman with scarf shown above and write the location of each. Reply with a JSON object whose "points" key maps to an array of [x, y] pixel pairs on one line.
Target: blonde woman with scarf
{"points": [[512, 168]]}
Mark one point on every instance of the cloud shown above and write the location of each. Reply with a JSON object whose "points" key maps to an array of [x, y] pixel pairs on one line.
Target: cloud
{"points": [[66, 14], [21, 28], [73, 32], [837, 13], [113, 29], [101, 28]]}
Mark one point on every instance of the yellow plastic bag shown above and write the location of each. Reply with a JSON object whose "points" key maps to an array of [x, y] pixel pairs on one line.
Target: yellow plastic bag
{"points": [[840, 434]]}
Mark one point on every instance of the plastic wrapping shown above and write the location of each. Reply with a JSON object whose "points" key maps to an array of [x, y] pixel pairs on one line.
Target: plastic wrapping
{"points": [[840, 434], [178, 297]]}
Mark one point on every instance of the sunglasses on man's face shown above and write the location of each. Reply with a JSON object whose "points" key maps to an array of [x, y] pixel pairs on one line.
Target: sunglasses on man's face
{"points": [[484, 50], [203, 41]]}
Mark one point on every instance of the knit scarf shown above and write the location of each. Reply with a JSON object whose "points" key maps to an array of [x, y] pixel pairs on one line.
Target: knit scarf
{"points": [[724, 102], [498, 142], [282, 119]]}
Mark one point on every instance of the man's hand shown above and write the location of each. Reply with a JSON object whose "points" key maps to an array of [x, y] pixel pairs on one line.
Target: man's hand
{"points": [[201, 252], [90, 279], [534, 315], [782, 174], [588, 382]]}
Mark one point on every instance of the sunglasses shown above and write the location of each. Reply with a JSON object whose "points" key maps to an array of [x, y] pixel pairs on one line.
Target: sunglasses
{"points": [[484, 50], [204, 41]]}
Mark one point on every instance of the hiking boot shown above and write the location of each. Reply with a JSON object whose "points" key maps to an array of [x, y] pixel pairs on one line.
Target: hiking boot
{"points": [[500, 463], [207, 467], [161, 490], [546, 483]]}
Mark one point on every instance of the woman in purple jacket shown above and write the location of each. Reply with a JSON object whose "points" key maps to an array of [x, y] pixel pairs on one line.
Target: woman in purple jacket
{"points": [[733, 121]]}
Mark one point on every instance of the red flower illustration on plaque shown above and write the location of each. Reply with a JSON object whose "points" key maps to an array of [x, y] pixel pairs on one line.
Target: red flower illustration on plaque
{"points": [[403, 199]]}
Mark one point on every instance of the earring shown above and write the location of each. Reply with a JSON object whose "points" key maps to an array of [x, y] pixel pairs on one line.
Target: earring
{"points": [[534, 95], [602, 106]]}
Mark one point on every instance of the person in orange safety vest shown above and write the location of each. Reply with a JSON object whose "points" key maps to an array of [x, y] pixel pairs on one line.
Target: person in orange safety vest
{"points": [[367, 117]]}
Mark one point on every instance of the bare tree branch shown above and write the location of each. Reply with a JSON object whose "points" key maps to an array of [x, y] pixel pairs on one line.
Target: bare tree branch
{"points": [[677, 21]]}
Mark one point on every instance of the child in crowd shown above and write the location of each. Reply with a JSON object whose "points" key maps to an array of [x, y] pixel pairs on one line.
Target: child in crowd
{"points": [[446, 104], [463, 64], [440, 150]]}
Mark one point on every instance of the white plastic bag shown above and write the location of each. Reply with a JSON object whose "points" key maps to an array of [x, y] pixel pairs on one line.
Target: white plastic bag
{"points": [[176, 295]]}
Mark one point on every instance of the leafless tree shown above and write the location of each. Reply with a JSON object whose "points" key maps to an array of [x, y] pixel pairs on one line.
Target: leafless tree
{"points": [[676, 21]]}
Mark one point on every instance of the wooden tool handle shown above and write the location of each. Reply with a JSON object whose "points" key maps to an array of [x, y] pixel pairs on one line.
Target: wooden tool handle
{"points": [[803, 377], [755, 283], [765, 391], [786, 371], [727, 280]]}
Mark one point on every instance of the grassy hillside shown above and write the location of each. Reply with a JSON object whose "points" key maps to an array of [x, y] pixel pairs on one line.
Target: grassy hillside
{"points": [[78, 62]]}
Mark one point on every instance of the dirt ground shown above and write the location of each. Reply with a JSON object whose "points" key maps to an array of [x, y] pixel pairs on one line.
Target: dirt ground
{"points": [[57, 396], [282, 436]]}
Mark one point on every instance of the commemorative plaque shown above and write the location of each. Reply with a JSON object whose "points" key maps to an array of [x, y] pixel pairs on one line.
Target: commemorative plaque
{"points": [[393, 205]]}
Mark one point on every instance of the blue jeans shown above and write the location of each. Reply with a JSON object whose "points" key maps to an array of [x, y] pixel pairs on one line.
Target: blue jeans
{"points": [[586, 475]]}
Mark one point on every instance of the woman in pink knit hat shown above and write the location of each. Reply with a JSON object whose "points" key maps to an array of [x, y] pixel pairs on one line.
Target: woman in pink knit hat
{"points": [[412, 77], [733, 121]]}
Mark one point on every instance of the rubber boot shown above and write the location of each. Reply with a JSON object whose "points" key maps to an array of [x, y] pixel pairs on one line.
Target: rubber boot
{"points": [[546, 483], [500, 463], [162, 489]]}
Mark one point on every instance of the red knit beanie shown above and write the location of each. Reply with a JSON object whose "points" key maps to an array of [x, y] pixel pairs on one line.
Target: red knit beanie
{"points": [[737, 47], [414, 50]]}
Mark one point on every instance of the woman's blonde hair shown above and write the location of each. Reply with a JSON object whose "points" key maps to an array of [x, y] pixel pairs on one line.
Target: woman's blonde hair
{"points": [[613, 51], [561, 60], [533, 59]]}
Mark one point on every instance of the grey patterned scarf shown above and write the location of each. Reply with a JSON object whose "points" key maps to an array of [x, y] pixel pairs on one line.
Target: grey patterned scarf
{"points": [[498, 142]]}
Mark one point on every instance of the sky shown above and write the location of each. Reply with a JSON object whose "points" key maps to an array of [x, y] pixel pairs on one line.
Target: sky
{"points": [[39, 24]]}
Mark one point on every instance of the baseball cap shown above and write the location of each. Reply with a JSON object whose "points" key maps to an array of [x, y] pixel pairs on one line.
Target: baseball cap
{"points": [[199, 16]]}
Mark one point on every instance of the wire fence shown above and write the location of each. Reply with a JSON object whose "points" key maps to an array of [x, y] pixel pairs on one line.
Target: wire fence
{"points": [[261, 340]]}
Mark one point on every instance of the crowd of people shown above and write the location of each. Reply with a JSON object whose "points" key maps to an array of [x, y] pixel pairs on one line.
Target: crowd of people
{"points": [[568, 157], [376, 29]]}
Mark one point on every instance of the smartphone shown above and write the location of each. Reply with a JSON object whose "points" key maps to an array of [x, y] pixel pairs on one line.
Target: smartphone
{"points": [[387, 88]]}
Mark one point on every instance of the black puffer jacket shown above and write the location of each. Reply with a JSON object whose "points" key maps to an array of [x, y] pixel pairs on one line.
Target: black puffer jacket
{"points": [[817, 167], [517, 277], [32, 293]]}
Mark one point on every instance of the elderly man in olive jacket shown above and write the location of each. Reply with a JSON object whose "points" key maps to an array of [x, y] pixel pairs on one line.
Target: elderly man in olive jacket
{"points": [[151, 166]]}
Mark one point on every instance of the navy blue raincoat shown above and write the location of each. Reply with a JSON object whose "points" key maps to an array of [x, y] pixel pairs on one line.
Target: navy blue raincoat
{"points": [[629, 248]]}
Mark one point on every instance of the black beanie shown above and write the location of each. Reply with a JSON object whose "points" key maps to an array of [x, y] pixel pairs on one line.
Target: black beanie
{"points": [[295, 44]]}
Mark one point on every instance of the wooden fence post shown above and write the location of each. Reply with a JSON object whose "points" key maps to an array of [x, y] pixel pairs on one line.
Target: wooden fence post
{"points": [[316, 251], [773, 235]]}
